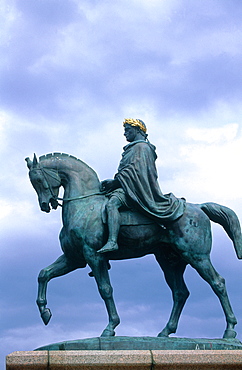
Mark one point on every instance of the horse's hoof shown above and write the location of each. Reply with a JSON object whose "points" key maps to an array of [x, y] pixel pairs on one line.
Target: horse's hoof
{"points": [[162, 335], [229, 334], [46, 316], [108, 333]]}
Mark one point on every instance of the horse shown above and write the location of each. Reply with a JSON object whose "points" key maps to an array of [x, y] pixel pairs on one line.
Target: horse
{"points": [[187, 240]]}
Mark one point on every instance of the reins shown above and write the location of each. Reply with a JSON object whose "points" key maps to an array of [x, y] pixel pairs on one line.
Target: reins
{"points": [[80, 197]]}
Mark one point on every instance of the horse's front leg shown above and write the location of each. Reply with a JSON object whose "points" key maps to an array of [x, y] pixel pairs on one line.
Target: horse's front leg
{"points": [[99, 267], [60, 267], [106, 292]]}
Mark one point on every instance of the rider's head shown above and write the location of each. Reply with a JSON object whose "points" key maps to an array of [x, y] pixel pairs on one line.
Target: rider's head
{"points": [[138, 129]]}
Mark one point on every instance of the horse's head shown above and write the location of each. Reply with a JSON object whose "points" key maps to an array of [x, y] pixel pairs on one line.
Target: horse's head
{"points": [[46, 182]]}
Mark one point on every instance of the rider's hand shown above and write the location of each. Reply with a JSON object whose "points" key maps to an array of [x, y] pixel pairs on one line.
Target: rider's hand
{"points": [[109, 185], [106, 185]]}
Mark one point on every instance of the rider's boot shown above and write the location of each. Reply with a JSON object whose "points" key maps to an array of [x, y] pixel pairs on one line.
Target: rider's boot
{"points": [[113, 225], [110, 246]]}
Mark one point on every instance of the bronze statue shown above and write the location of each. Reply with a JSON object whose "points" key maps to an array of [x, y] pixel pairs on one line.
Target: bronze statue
{"points": [[184, 239], [135, 185]]}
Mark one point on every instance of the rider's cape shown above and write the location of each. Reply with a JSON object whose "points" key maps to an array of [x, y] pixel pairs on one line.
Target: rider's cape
{"points": [[137, 175]]}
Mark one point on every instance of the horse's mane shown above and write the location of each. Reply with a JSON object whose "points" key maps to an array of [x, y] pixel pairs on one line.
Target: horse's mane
{"points": [[57, 155], [65, 156]]}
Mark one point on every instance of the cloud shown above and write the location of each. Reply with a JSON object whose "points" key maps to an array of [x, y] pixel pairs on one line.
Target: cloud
{"points": [[214, 135], [214, 152], [97, 57]]}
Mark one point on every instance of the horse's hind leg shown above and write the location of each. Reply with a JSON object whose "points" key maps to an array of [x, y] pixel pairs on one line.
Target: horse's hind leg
{"points": [[60, 267], [206, 270], [174, 277]]}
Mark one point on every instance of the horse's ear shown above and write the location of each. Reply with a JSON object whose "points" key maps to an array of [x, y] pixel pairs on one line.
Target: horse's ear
{"points": [[35, 161], [29, 163]]}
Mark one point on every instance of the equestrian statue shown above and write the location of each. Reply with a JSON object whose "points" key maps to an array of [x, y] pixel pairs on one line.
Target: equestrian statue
{"points": [[129, 217]]}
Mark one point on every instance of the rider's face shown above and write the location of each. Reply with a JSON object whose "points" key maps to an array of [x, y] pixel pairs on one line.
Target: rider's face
{"points": [[130, 132]]}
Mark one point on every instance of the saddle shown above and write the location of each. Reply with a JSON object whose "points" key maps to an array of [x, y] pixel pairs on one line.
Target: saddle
{"points": [[128, 217]]}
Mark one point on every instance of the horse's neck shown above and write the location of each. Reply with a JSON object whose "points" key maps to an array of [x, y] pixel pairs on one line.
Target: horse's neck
{"points": [[79, 183], [79, 180]]}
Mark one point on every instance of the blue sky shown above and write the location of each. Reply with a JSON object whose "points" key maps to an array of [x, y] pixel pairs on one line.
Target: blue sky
{"points": [[71, 72]]}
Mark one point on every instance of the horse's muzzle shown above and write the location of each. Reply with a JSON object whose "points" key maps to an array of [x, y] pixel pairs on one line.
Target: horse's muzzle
{"points": [[45, 207], [54, 203]]}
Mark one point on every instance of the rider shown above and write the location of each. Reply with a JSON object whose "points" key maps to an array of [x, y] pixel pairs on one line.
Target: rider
{"points": [[135, 185]]}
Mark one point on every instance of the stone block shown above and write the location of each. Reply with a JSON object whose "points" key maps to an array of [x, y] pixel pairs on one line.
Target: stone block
{"points": [[106, 360], [197, 360], [29, 360]]}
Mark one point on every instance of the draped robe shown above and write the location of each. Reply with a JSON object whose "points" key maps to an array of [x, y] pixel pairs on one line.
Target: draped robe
{"points": [[138, 177]]}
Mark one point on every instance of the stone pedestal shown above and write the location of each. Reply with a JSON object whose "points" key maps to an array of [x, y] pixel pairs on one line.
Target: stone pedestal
{"points": [[125, 359], [131, 353]]}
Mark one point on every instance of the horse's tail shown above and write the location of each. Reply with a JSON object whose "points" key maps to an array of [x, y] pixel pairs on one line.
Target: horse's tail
{"points": [[228, 219]]}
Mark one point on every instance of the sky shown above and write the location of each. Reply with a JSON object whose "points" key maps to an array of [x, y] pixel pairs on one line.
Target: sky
{"points": [[71, 71]]}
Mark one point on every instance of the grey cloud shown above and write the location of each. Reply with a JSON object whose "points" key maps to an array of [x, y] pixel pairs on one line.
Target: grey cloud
{"points": [[124, 71]]}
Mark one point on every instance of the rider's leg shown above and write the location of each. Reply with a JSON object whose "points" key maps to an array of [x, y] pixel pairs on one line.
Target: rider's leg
{"points": [[112, 209]]}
